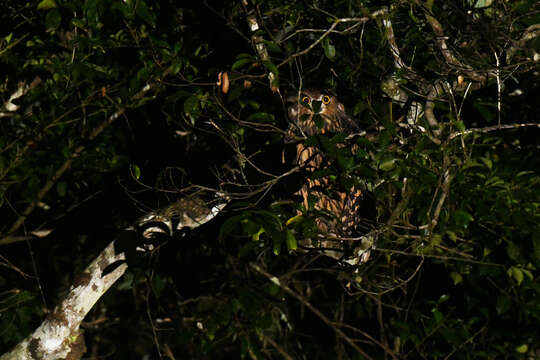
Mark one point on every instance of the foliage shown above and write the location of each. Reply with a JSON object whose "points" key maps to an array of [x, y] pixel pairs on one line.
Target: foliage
{"points": [[121, 113]]}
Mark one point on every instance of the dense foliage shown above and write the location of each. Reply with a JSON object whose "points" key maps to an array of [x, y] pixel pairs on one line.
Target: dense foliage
{"points": [[111, 109]]}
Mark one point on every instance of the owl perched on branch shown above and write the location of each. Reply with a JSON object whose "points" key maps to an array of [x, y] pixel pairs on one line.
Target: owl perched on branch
{"points": [[314, 112]]}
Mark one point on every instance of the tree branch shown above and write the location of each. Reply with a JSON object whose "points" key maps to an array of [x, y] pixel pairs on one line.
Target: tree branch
{"points": [[59, 336]]}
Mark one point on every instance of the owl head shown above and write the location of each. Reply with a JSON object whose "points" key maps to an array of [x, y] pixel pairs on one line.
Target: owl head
{"points": [[316, 111]]}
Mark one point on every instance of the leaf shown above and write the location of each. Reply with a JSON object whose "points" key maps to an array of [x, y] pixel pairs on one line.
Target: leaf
{"points": [[294, 219], [444, 298], [528, 273], [437, 316], [387, 164], [53, 20], [277, 240], [290, 240], [452, 235], [78, 23], [144, 13], [261, 117], [516, 273], [272, 47], [191, 105], [238, 64], [487, 162], [228, 225], [512, 250], [46, 5], [257, 235], [136, 171], [522, 349], [329, 48], [503, 304], [462, 218], [271, 67], [456, 277]]}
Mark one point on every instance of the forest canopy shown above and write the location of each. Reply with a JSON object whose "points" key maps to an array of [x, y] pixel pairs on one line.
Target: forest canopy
{"points": [[114, 110]]}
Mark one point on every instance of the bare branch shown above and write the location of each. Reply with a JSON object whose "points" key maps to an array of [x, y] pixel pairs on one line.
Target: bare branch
{"points": [[532, 32], [449, 56], [490, 129], [321, 38]]}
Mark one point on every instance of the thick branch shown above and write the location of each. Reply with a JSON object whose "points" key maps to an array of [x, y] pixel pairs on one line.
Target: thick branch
{"points": [[59, 336]]}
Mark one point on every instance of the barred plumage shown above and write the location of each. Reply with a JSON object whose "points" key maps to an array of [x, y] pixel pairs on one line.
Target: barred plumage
{"points": [[315, 112]]}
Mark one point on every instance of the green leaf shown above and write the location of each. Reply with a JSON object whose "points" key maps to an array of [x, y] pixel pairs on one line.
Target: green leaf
{"points": [[516, 273], [487, 161], [144, 13], [329, 48], [191, 105], [277, 240], [261, 117], [271, 67], [437, 316], [503, 304], [522, 349], [136, 171], [452, 235], [228, 225], [462, 218], [387, 164], [528, 273], [238, 64], [46, 5], [456, 277], [512, 250], [257, 235], [78, 23], [53, 20], [290, 240]]}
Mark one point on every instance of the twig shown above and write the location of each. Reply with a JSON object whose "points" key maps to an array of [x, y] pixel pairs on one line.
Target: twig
{"points": [[325, 34], [370, 338], [440, 257], [530, 33], [276, 346], [490, 129], [307, 304], [498, 77], [449, 57], [380, 320], [444, 193], [469, 340]]}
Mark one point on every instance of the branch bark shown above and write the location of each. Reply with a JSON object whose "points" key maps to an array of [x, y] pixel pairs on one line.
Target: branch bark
{"points": [[60, 336]]}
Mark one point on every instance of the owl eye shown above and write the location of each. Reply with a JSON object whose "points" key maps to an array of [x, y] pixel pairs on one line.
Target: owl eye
{"points": [[306, 100], [326, 99]]}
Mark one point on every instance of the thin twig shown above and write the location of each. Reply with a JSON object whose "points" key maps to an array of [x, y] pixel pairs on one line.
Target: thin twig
{"points": [[307, 304], [276, 346], [490, 129]]}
